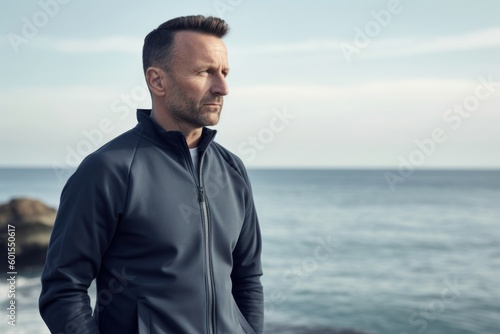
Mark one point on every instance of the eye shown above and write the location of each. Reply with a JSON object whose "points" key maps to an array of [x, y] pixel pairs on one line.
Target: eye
{"points": [[204, 72]]}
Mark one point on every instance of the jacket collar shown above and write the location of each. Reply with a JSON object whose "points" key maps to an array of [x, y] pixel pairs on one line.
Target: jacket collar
{"points": [[170, 139]]}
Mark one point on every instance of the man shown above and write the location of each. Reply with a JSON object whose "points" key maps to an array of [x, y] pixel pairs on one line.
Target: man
{"points": [[162, 216]]}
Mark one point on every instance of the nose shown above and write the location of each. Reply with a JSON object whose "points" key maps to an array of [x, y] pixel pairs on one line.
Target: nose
{"points": [[219, 85]]}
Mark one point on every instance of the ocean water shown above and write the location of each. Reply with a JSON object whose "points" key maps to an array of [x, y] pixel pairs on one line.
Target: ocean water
{"points": [[344, 251]]}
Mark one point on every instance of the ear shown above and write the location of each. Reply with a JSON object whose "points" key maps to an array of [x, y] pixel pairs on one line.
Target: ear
{"points": [[155, 79]]}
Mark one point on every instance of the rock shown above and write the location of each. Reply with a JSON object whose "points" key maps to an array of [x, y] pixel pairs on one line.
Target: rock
{"points": [[33, 222]]}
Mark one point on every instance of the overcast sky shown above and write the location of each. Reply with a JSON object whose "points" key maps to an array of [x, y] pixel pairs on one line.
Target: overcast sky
{"points": [[365, 84]]}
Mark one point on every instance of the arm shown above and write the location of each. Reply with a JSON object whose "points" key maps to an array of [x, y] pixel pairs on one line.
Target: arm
{"points": [[84, 227], [247, 269]]}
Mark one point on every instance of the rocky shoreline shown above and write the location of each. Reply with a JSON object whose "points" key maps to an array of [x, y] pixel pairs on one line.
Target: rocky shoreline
{"points": [[31, 221]]}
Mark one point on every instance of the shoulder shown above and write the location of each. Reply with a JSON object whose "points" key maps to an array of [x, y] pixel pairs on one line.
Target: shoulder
{"points": [[231, 158], [110, 162], [117, 152]]}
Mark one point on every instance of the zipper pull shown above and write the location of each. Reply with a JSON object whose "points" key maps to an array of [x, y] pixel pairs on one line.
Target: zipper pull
{"points": [[201, 194]]}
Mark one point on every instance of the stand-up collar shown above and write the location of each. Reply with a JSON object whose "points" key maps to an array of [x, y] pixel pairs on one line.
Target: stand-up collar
{"points": [[170, 139]]}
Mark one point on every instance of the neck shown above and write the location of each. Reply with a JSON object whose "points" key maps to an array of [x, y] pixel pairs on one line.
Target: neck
{"points": [[193, 137], [192, 134]]}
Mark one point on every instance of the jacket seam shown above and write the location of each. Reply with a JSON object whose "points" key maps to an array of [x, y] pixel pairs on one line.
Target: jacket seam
{"points": [[129, 172], [223, 155]]}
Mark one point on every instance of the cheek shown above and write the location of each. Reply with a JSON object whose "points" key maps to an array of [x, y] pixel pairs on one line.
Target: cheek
{"points": [[196, 89]]}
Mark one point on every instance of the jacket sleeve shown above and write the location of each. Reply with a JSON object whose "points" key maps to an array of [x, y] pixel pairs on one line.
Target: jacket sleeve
{"points": [[247, 268], [89, 210]]}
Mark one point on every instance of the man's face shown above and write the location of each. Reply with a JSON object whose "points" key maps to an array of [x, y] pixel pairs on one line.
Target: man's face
{"points": [[196, 79]]}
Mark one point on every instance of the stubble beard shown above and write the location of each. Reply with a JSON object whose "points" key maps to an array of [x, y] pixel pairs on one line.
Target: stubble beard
{"points": [[191, 112]]}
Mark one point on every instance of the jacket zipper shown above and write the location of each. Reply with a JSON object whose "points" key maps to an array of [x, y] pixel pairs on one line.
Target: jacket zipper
{"points": [[208, 249]]}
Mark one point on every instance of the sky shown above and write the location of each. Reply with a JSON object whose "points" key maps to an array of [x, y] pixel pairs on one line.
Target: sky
{"points": [[313, 84]]}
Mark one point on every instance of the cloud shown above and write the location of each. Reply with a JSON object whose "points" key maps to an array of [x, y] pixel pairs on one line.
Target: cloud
{"points": [[59, 108], [414, 89], [378, 47], [402, 106], [483, 39], [113, 44], [301, 46], [368, 119], [386, 47]]}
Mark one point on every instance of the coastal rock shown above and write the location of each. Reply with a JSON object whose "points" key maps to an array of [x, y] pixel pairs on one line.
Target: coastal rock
{"points": [[32, 221]]}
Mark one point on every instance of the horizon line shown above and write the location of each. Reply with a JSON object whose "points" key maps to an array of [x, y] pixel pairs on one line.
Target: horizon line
{"points": [[284, 167]]}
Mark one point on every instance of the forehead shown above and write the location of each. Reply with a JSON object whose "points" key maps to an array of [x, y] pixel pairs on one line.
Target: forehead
{"points": [[192, 47]]}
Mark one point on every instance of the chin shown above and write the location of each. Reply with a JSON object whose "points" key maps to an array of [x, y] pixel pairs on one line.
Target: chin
{"points": [[212, 121], [212, 118]]}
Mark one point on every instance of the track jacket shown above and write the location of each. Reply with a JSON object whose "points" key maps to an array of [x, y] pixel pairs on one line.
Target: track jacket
{"points": [[172, 249]]}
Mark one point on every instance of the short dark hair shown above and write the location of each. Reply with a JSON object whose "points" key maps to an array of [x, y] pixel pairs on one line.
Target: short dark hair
{"points": [[158, 44]]}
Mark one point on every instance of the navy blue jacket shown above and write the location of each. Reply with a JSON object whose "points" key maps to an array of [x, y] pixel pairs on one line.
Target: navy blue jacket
{"points": [[172, 249]]}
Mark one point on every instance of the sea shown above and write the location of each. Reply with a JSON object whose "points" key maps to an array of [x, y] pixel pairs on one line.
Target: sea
{"points": [[349, 251]]}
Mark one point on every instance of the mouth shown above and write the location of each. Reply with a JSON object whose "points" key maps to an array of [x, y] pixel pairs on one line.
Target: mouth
{"points": [[213, 103], [213, 106]]}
